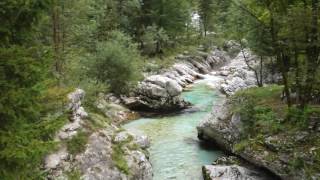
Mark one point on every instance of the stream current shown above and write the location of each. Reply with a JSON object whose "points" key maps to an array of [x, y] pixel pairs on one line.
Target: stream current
{"points": [[176, 152]]}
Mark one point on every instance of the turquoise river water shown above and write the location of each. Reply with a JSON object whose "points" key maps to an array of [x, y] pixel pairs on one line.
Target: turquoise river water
{"points": [[176, 152]]}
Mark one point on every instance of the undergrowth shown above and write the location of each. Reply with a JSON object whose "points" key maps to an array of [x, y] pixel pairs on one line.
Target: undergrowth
{"points": [[264, 115]]}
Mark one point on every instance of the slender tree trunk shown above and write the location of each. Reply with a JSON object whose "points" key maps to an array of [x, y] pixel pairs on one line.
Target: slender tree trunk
{"points": [[284, 66], [297, 78], [246, 60], [205, 28], [312, 53], [272, 70], [63, 30], [56, 36], [261, 72], [280, 59]]}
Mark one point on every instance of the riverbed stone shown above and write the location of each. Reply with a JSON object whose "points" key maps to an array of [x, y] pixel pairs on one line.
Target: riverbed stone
{"points": [[143, 141], [233, 172]]}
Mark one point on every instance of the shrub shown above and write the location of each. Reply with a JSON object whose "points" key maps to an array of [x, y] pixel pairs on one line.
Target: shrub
{"points": [[255, 105], [117, 63], [300, 117]]}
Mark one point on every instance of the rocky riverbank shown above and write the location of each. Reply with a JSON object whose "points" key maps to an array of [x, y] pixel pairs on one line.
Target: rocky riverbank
{"points": [[289, 154], [103, 152], [234, 76], [161, 92], [279, 153]]}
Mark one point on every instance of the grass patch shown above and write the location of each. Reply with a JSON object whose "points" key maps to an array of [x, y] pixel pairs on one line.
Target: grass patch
{"points": [[97, 121], [75, 174], [118, 157], [268, 97], [78, 143], [97, 118], [118, 154], [263, 112], [241, 146]]}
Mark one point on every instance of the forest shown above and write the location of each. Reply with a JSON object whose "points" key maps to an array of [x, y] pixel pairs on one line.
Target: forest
{"points": [[50, 47]]}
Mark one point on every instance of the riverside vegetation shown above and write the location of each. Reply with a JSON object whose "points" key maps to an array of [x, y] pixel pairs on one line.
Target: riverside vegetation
{"points": [[51, 47]]}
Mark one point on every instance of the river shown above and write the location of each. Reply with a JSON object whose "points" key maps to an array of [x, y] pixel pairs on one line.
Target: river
{"points": [[176, 152]]}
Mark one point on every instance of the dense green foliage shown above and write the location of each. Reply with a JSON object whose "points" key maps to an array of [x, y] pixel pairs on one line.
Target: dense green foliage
{"points": [[17, 19], [206, 11], [21, 72], [26, 126], [285, 33]]}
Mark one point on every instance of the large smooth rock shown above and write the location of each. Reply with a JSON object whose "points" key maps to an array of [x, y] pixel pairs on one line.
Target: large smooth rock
{"points": [[173, 88], [96, 162]]}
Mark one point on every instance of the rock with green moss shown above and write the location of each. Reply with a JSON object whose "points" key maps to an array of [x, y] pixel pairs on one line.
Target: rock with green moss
{"points": [[231, 172], [109, 156], [234, 168], [98, 150]]}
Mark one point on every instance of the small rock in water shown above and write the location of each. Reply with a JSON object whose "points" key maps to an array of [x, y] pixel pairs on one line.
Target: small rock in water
{"points": [[233, 172]]}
